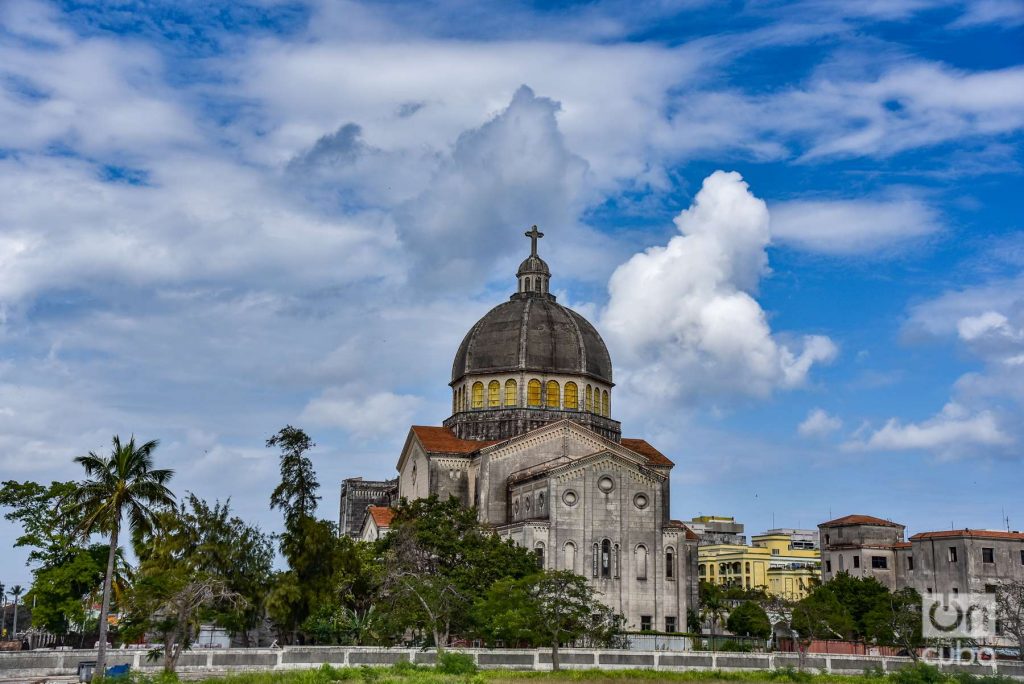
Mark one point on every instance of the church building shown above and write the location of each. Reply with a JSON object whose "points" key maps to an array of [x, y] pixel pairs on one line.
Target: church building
{"points": [[532, 444]]}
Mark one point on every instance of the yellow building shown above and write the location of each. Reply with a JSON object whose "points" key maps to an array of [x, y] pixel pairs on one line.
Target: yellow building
{"points": [[777, 561]]}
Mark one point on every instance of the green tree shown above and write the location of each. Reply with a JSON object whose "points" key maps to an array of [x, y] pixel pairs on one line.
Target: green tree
{"points": [[749, 619], [820, 615], [296, 494], [860, 596], [713, 606], [1010, 611], [439, 560], [123, 486], [896, 620], [48, 526], [552, 608]]}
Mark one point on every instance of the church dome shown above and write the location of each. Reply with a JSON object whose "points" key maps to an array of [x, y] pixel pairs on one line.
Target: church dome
{"points": [[532, 332]]}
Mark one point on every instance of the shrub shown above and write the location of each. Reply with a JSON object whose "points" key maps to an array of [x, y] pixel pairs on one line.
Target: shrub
{"points": [[918, 673], [449, 662]]}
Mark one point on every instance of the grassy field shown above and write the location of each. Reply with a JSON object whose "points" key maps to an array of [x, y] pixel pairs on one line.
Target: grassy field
{"points": [[409, 674]]}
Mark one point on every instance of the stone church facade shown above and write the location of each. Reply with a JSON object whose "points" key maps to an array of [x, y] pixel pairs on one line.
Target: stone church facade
{"points": [[531, 443]]}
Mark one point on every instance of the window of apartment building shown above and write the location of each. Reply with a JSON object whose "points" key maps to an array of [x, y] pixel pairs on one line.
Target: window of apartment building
{"points": [[775, 552], [841, 563], [670, 624], [988, 555], [645, 623], [828, 566], [990, 588], [1022, 557], [952, 554], [856, 561], [827, 539], [879, 562], [910, 562], [839, 533], [670, 563]]}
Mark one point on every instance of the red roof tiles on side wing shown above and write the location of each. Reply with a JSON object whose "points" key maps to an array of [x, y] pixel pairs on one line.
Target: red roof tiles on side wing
{"points": [[382, 515], [982, 534], [441, 440], [653, 456]]}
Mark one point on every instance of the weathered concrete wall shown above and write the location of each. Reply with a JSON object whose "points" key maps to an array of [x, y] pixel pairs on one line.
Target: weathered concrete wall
{"points": [[35, 664]]}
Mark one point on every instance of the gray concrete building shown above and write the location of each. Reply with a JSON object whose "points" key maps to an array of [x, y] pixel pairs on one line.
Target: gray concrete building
{"points": [[532, 444], [966, 561], [357, 495], [717, 529], [861, 545]]}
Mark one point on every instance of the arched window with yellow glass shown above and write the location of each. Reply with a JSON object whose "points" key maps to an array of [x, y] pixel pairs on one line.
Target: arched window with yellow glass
{"points": [[478, 395], [494, 394], [533, 393], [590, 398], [552, 397], [572, 400], [605, 408], [511, 393]]}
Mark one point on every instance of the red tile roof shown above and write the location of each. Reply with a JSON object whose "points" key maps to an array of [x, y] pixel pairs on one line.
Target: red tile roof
{"points": [[381, 515], [982, 534], [441, 440], [859, 520], [653, 456], [902, 545]]}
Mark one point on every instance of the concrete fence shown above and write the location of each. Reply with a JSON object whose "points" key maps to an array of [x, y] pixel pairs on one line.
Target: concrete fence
{"points": [[30, 665]]}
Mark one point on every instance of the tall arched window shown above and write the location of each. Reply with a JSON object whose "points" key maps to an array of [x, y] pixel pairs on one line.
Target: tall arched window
{"points": [[511, 393], [552, 395], [571, 396], [595, 559], [494, 394], [604, 404], [606, 559], [590, 398], [616, 557], [533, 393], [641, 562], [670, 564], [539, 550], [478, 395], [569, 556], [455, 401]]}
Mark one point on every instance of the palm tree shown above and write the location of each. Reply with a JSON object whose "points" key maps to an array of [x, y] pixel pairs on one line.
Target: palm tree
{"points": [[123, 485], [16, 592]]}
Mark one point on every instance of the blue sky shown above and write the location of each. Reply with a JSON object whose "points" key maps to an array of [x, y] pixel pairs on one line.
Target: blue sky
{"points": [[798, 226]]}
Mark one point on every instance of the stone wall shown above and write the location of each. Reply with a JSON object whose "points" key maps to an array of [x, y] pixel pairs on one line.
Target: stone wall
{"points": [[35, 664]]}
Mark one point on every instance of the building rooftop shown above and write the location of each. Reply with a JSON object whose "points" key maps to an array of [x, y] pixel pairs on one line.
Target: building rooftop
{"points": [[441, 440], [980, 534], [382, 515], [859, 520]]}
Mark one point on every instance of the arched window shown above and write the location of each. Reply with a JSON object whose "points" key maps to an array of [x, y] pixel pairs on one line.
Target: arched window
{"points": [[533, 393], [552, 395], [670, 564], [455, 401], [595, 559], [606, 559], [569, 556], [478, 395], [604, 404], [616, 557], [571, 396], [641, 562], [539, 550], [701, 570], [590, 398], [511, 393], [494, 394]]}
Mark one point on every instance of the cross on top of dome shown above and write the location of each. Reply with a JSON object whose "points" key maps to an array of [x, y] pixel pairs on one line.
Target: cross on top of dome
{"points": [[534, 235], [533, 273]]}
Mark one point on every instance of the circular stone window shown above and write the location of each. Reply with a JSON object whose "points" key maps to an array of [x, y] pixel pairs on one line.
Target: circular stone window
{"points": [[606, 484], [569, 497], [640, 501]]}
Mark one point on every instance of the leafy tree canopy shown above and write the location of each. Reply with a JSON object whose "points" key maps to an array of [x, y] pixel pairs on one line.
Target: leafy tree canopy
{"points": [[749, 619]]}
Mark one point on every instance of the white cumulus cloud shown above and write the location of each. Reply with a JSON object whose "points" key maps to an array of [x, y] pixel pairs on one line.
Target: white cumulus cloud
{"points": [[953, 432], [684, 317], [363, 415], [819, 424], [842, 227]]}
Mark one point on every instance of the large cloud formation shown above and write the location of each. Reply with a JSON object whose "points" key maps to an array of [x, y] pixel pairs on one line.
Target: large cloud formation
{"points": [[684, 317]]}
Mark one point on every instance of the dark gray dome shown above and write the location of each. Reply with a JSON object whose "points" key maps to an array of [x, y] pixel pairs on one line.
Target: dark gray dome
{"points": [[532, 332], [533, 264]]}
